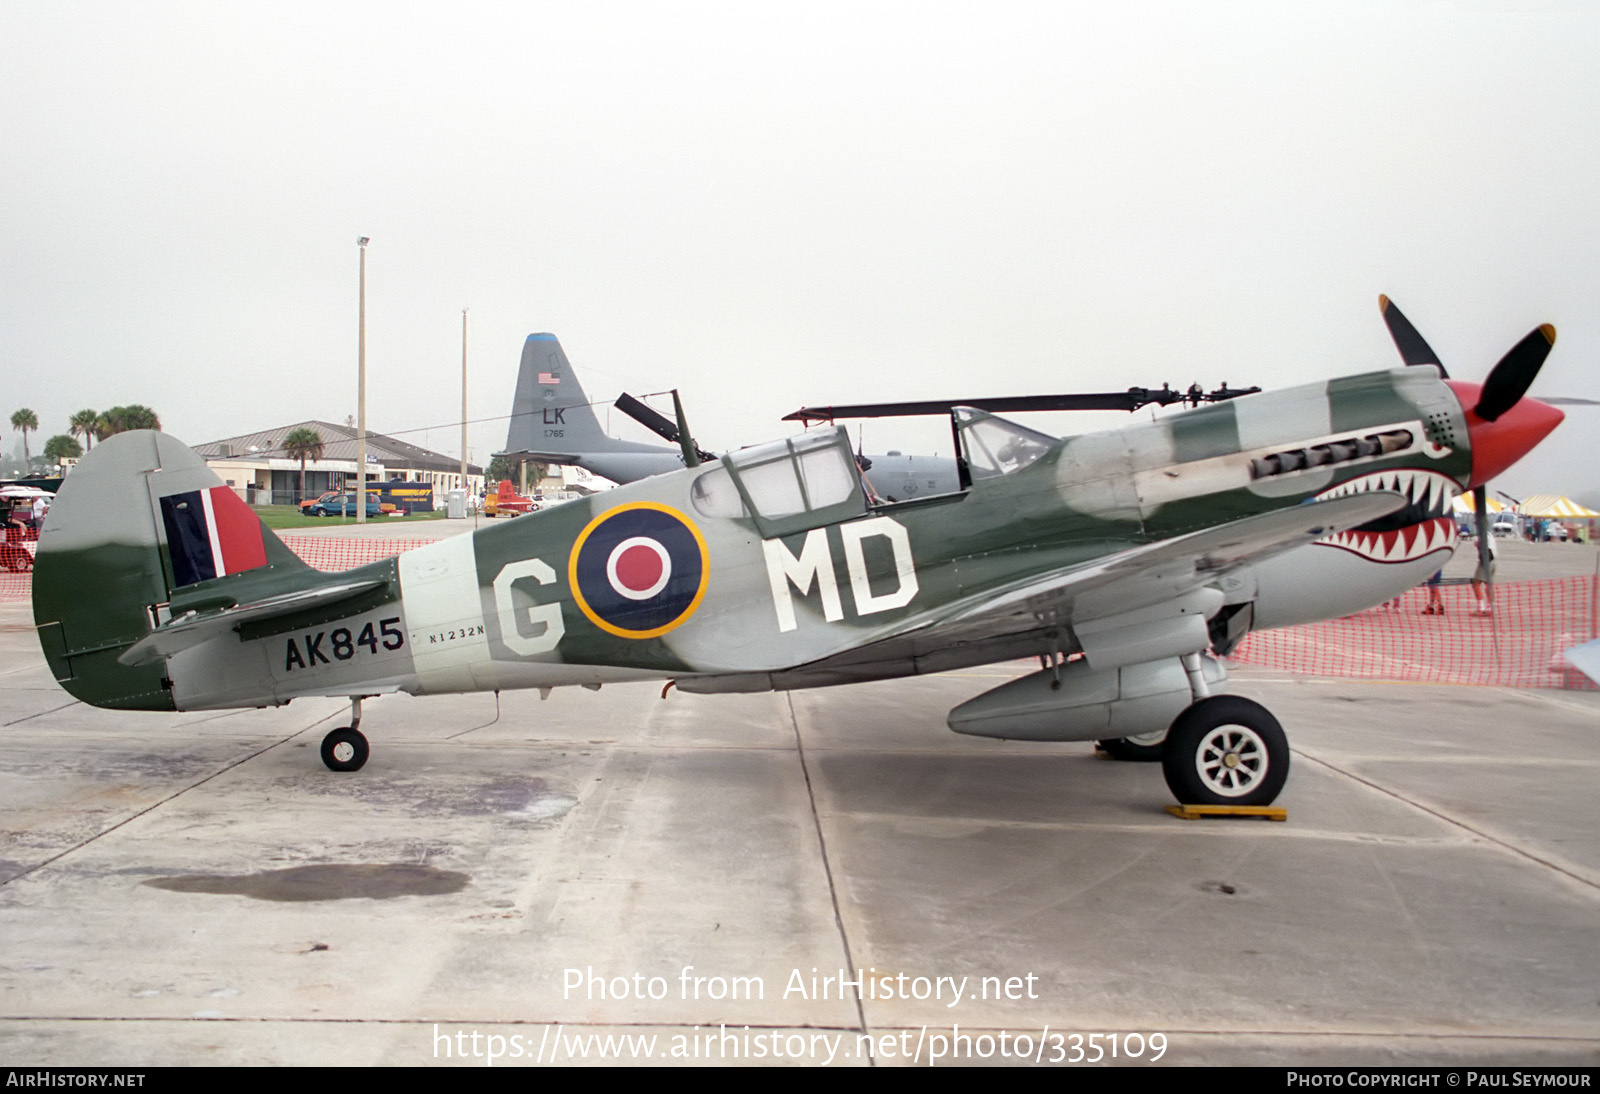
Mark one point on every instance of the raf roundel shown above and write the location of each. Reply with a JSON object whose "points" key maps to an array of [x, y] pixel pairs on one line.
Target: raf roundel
{"points": [[639, 570]]}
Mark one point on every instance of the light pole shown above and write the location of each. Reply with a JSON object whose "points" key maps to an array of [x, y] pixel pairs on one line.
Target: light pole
{"points": [[464, 400], [361, 391]]}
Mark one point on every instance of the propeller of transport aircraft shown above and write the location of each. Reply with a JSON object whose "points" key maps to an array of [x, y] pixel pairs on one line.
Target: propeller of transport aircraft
{"points": [[660, 424]]}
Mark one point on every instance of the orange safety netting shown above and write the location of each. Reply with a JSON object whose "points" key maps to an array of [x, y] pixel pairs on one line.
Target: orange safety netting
{"points": [[328, 553], [1518, 646], [346, 552]]}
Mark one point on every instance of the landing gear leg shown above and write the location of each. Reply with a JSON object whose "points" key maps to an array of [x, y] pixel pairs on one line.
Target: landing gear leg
{"points": [[1149, 748], [1197, 678], [346, 749]]}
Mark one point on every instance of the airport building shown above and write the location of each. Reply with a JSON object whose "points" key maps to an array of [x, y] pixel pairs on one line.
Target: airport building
{"points": [[257, 466]]}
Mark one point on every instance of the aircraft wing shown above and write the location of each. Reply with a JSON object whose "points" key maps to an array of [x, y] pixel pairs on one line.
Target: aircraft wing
{"points": [[1013, 620], [193, 628], [1148, 575]]}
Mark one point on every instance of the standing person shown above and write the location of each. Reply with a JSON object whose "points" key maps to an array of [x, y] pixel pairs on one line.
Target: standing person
{"points": [[1481, 579], [1435, 605], [40, 508]]}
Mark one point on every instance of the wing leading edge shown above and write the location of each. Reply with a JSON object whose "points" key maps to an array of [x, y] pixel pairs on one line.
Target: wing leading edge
{"points": [[1148, 575]]}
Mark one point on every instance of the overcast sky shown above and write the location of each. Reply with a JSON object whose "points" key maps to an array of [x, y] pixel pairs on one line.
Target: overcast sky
{"points": [[772, 205]]}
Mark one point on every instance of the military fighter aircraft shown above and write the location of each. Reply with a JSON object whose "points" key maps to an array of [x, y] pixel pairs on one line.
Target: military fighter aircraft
{"points": [[1120, 559]]}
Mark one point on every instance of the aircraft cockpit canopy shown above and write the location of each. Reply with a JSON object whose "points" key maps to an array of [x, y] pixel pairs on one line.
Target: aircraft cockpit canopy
{"points": [[785, 486], [994, 446]]}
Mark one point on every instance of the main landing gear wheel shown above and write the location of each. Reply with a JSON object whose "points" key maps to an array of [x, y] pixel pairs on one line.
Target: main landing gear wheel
{"points": [[1146, 748], [344, 749], [1226, 750]]}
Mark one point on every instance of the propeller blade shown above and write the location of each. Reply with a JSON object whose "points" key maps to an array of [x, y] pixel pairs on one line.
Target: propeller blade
{"points": [[657, 423], [1414, 349], [691, 454], [1510, 379]]}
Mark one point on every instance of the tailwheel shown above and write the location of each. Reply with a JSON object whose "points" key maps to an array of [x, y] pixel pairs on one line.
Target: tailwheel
{"points": [[345, 749], [1226, 750], [1146, 748]]}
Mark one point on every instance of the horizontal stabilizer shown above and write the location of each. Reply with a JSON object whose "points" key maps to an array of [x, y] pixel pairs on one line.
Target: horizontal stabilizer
{"points": [[193, 628], [552, 455]]}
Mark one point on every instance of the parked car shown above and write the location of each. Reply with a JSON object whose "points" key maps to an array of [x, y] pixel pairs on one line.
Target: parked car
{"points": [[325, 496], [345, 505]]}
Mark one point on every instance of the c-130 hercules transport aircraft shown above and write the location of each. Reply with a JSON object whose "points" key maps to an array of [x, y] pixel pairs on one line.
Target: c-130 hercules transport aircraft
{"points": [[1120, 559]]}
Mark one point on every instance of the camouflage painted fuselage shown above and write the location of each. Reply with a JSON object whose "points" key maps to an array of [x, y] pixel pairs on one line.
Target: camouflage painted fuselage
{"points": [[733, 584]]}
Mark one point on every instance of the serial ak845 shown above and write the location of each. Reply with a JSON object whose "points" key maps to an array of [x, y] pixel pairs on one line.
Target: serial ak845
{"points": [[1121, 559]]}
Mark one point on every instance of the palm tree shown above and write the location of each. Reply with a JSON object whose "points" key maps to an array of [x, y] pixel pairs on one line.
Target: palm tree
{"points": [[82, 424], [303, 444], [62, 447], [24, 420], [120, 419]]}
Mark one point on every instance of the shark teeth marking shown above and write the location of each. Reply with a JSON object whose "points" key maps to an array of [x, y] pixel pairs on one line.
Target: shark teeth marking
{"points": [[1424, 526]]}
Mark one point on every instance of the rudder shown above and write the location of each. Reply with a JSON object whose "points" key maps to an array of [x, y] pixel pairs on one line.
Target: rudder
{"points": [[141, 530], [550, 412]]}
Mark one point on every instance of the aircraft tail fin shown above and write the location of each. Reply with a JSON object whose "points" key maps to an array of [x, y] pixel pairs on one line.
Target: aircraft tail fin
{"points": [[551, 417], [550, 413], [142, 533]]}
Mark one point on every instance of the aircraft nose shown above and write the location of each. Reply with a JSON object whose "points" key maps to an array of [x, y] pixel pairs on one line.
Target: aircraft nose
{"points": [[1498, 444]]}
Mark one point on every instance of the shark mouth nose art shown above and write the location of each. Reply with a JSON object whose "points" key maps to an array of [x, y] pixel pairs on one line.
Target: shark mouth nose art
{"points": [[1423, 526]]}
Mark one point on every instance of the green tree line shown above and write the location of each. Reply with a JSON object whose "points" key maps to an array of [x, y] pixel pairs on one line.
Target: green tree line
{"points": [[91, 425]]}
